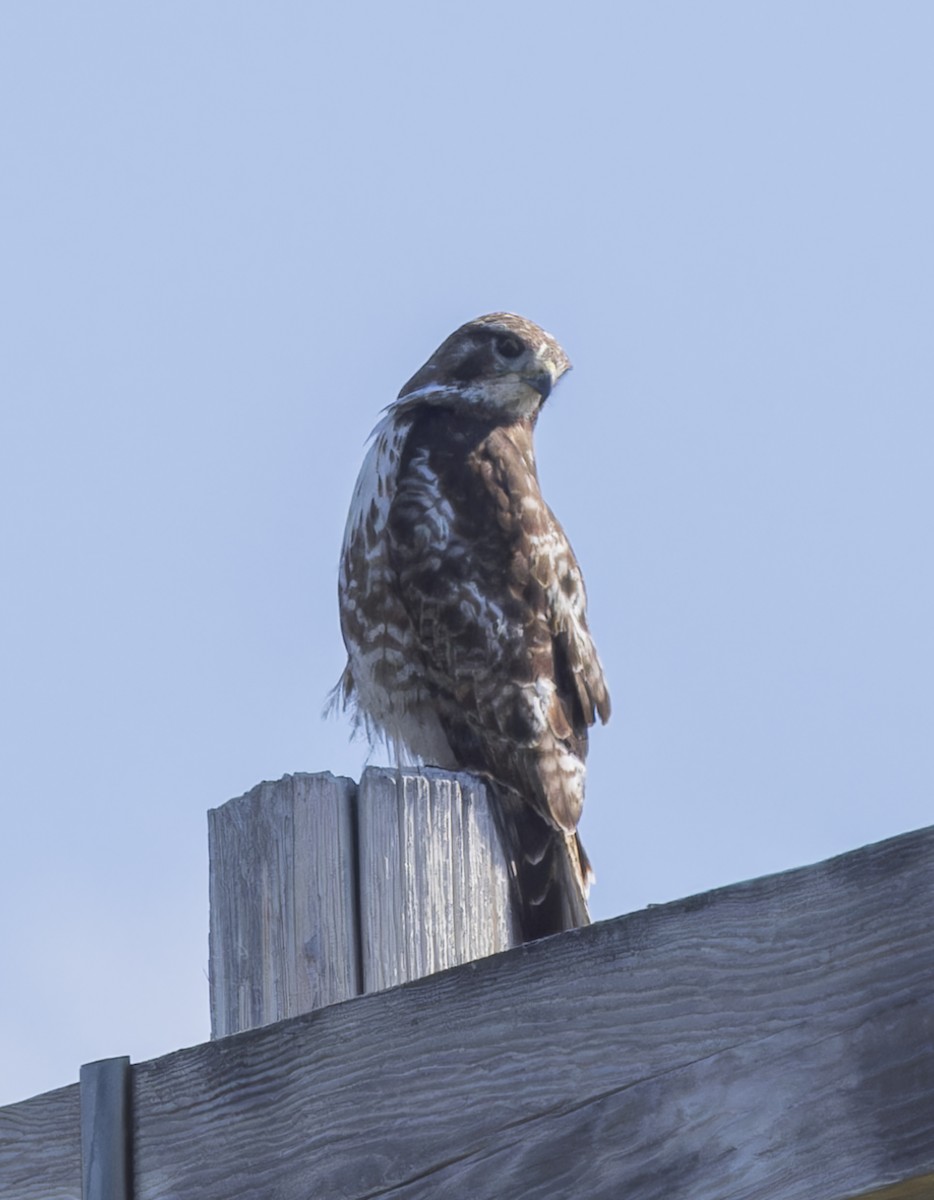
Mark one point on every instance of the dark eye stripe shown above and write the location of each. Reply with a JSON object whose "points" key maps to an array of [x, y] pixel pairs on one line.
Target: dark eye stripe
{"points": [[470, 368], [509, 346]]}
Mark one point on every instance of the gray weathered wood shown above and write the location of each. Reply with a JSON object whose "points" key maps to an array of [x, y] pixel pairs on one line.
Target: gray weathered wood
{"points": [[105, 1130], [769, 1041], [434, 885], [303, 914], [40, 1147], [283, 902]]}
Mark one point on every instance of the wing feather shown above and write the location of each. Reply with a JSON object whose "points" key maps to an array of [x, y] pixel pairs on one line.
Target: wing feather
{"points": [[496, 600]]}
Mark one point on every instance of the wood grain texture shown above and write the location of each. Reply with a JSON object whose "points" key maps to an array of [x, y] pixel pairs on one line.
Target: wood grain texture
{"points": [[919, 1188], [434, 885], [768, 1041], [40, 1147], [283, 897]]}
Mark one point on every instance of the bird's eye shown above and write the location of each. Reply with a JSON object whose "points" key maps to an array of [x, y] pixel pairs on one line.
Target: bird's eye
{"points": [[509, 346]]}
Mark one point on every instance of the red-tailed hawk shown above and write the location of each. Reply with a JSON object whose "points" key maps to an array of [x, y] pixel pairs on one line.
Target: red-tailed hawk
{"points": [[463, 608]]}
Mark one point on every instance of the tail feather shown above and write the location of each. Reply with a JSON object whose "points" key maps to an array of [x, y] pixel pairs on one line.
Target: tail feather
{"points": [[550, 871]]}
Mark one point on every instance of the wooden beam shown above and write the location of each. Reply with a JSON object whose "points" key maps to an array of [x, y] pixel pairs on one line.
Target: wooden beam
{"points": [[769, 1041], [283, 928], [105, 1130], [40, 1147], [434, 885]]}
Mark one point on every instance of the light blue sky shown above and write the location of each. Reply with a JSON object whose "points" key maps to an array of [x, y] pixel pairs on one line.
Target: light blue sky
{"points": [[231, 231]]}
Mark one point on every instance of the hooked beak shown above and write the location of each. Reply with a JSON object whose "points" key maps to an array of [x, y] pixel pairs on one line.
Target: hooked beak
{"points": [[542, 382], [548, 369]]}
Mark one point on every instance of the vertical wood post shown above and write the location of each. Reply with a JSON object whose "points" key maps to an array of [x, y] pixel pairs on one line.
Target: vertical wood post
{"points": [[321, 890], [434, 885], [105, 1130], [283, 937]]}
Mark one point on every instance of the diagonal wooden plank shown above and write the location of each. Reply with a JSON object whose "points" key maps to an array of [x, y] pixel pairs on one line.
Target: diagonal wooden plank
{"points": [[797, 1115], [652, 1040], [40, 1147]]}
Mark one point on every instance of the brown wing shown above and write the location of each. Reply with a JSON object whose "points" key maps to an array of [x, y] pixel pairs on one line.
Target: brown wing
{"points": [[496, 600]]}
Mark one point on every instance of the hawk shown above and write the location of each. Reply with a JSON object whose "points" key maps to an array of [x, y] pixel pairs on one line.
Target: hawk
{"points": [[463, 608]]}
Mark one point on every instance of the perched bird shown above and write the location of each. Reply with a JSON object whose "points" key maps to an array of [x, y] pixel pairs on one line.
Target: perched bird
{"points": [[463, 608]]}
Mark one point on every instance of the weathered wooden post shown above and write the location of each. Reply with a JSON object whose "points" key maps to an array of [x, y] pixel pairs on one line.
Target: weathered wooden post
{"points": [[322, 890], [283, 922]]}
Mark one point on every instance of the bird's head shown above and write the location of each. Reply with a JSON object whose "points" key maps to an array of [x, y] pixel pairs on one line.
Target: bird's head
{"points": [[500, 365]]}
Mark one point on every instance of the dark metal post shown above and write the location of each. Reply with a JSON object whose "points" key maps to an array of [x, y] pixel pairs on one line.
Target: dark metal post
{"points": [[105, 1130]]}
